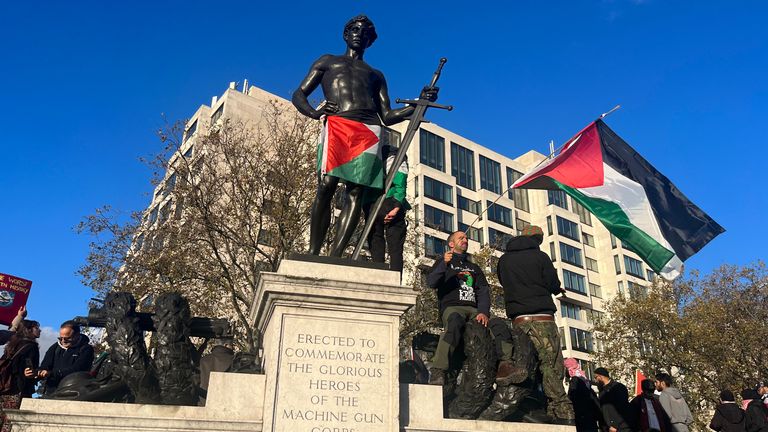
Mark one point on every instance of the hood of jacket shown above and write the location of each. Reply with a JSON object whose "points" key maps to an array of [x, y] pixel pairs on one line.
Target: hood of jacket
{"points": [[731, 412], [672, 391], [523, 243]]}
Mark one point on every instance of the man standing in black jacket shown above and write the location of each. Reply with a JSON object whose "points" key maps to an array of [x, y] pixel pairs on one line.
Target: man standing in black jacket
{"points": [[463, 294], [72, 353], [614, 401], [530, 280]]}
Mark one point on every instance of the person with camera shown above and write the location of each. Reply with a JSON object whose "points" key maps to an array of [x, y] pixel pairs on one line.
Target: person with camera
{"points": [[463, 294]]}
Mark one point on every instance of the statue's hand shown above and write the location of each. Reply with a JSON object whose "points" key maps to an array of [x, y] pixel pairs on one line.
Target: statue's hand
{"points": [[429, 93], [329, 108]]}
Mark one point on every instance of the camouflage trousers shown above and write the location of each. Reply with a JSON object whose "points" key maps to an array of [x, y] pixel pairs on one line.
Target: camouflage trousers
{"points": [[546, 339]]}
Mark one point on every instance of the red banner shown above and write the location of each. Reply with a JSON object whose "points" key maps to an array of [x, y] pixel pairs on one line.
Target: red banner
{"points": [[14, 292], [639, 377]]}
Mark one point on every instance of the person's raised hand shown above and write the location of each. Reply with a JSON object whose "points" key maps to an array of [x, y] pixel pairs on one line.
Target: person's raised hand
{"points": [[448, 256]]}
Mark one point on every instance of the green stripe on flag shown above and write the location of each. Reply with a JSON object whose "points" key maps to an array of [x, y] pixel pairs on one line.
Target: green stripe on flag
{"points": [[617, 222], [366, 169]]}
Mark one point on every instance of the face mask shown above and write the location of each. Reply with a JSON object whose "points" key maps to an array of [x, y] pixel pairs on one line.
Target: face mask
{"points": [[600, 385]]}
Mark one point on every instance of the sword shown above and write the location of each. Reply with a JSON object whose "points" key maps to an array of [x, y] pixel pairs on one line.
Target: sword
{"points": [[413, 125]]}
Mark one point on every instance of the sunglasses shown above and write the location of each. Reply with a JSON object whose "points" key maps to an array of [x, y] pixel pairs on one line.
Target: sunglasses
{"points": [[65, 339]]}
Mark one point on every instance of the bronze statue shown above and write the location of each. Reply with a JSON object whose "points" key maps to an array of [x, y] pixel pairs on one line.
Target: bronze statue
{"points": [[356, 105]]}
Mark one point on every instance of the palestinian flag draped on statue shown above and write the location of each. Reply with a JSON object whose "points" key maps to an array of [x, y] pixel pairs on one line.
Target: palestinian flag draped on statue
{"points": [[351, 150], [634, 201]]}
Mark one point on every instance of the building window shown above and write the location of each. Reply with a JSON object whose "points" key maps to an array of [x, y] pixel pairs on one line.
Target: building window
{"points": [[432, 150], [438, 219], [581, 340], [558, 198], [519, 196], [498, 239], [217, 115], [463, 166], [190, 131], [153, 216], [574, 282], [549, 225], [267, 238], [472, 233], [438, 191], [434, 247], [570, 254], [620, 285], [617, 264], [634, 267], [561, 332], [170, 184], [567, 228], [591, 264], [499, 214], [521, 225], [594, 316], [552, 254], [595, 290], [651, 275], [636, 291], [570, 310], [189, 152], [588, 239], [584, 215], [613, 241], [469, 205], [390, 137], [490, 175]]}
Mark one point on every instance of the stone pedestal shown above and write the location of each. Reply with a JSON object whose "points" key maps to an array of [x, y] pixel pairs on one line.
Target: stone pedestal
{"points": [[330, 340], [235, 403], [421, 410]]}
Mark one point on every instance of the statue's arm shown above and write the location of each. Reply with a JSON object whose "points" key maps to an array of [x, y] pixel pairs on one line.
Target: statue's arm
{"points": [[388, 115], [307, 86]]}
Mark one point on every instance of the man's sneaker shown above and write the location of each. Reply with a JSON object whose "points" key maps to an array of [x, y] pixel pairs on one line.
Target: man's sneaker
{"points": [[437, 377], [508, 373]]}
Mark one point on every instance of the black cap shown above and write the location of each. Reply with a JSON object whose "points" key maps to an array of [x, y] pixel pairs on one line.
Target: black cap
{"points": [[749, 394], [602, 371], [727, 396]]}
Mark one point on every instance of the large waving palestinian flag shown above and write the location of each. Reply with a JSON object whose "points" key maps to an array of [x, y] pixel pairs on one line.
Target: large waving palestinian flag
{"points": [[634, 201], [351, 151]]}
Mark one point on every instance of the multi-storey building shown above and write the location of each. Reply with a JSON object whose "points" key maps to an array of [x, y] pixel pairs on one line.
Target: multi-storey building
{"points": [[457, 184]]}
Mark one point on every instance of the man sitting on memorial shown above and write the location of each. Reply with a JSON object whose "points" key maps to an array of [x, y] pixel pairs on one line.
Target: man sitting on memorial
{"points": [[463, 294], [72, 353]]}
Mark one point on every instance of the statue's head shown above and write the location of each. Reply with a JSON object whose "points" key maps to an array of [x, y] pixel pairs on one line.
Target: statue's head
{"points": [[359, 32]]}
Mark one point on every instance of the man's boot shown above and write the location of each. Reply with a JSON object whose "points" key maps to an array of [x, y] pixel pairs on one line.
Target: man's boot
{"points": [[437, 377], [508, 373]]}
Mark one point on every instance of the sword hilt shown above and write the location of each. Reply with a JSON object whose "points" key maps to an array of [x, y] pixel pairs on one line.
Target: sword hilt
{"points": [[424, 102]]}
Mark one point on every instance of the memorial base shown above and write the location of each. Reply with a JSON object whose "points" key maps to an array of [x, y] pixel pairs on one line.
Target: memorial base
{"points": [[330, 345]]}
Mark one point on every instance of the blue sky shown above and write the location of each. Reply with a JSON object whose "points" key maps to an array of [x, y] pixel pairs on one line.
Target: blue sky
{"points": [[85, 86]]}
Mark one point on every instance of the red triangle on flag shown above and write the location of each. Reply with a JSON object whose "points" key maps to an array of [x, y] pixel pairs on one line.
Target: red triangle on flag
{"points": [[579, 164], [345, 140]]}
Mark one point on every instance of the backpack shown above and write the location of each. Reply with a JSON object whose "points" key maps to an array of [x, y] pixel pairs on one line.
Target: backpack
{"points": [[6, 370]]}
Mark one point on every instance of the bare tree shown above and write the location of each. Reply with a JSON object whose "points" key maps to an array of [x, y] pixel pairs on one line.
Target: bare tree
{"points": [[232, 209]]}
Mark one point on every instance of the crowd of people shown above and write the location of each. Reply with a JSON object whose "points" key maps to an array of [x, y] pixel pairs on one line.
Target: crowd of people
{"points": [[529, 280]]}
